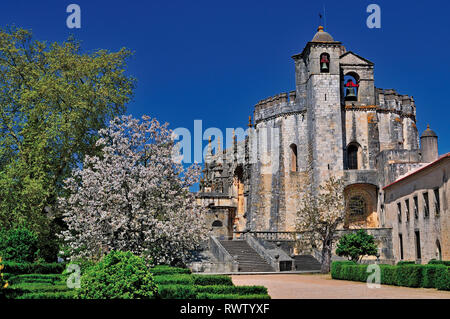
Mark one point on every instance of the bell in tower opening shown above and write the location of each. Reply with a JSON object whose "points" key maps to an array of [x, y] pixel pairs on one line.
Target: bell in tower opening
{"points": [[351, 93], [324, 63]]}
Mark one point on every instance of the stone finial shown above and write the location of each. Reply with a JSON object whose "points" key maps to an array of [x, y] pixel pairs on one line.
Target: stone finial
{"points": [[428, 132], [208, 156], [250, 121]]}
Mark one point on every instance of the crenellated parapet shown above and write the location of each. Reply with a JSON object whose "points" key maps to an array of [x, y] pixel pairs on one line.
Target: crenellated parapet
{"points": [[389, 100], [279, 105], [276, 100]]}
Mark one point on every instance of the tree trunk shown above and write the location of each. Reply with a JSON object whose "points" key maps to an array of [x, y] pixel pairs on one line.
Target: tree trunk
{"points": [[326, 259]]}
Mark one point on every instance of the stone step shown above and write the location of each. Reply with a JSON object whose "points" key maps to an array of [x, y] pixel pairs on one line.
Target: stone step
{"points": [[248, 259], [306, 262]]}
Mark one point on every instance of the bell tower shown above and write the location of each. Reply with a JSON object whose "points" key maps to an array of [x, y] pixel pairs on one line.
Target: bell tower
{"points": [[318, 84]]}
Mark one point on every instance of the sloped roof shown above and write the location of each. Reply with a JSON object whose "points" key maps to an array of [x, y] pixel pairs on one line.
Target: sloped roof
{"points": [[322, 36], [358, 57], [414, 172]]}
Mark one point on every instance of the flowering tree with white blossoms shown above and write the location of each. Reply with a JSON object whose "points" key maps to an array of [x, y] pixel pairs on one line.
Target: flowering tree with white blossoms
{"points": [[134, 196], [321, 211]]}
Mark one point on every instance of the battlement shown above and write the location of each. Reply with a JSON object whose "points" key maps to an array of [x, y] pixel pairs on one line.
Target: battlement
{"points": [[276, 100], [391, 100], [276, 105]]}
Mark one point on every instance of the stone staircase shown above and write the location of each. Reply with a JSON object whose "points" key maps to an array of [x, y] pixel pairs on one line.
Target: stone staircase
{"points": [[306, 263], [248, 259]]}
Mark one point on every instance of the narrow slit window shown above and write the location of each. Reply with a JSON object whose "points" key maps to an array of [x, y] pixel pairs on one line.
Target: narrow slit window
{"points": [[437, 203], [294, 159]]}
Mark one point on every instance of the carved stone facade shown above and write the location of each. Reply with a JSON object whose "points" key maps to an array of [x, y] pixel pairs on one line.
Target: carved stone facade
{"points": [[337, 122]]}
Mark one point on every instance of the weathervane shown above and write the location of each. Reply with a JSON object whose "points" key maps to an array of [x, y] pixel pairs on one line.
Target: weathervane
{"points": [[323, 17]]}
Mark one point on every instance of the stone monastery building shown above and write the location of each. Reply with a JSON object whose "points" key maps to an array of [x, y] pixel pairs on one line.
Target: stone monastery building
{"points": [[340, 124]]}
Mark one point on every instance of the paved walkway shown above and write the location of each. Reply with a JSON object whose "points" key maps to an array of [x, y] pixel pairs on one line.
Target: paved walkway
{"points": [[318, 286]]}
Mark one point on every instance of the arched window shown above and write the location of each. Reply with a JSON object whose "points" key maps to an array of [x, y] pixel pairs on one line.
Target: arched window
{"points": [[438, 250], [217, 223], [324, 63], [357, 206], [294, 162], [351, 85], [352, 156]]}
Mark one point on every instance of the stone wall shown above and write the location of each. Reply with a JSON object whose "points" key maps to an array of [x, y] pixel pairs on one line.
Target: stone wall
{"points": [[318, 120], [433, 227]]}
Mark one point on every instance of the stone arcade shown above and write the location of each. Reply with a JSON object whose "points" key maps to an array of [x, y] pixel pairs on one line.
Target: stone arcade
{"points": [[366, 135]]}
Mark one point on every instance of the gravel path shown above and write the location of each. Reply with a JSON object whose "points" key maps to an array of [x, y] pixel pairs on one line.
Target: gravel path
{"points": [[318, 286]]}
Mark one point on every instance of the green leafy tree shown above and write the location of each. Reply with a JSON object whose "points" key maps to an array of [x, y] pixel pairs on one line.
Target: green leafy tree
{"points": [[356, 245], [19, 245], [53, 100]]}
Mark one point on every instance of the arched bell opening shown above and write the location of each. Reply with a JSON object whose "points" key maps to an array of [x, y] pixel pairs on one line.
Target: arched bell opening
{"points": [[351, 86], [324, 63]]}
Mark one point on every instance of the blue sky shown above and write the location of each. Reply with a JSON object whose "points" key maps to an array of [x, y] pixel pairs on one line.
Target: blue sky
{"points": [[214, 60]]}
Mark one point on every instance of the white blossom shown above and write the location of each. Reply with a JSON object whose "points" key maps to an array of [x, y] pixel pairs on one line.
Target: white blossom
{"points": [[133, 196]]}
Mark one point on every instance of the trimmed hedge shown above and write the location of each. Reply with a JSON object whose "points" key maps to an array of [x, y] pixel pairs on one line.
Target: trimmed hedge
{"points": [[407, 275], [33, 268], [239, 290], [336, 267], [41, 287], [389, 274], [442, 279], [406, 262], [439, 262], [209, 280], [176, 292], [37, 286], [230, 296], [181, 279], [354, 272], [429, 275], [198, 280], [48, 295], [168, 270], [12, 293], [410, 276], [35, 278]]}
